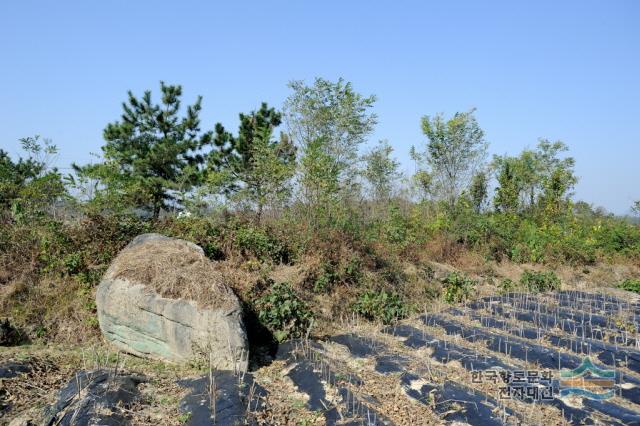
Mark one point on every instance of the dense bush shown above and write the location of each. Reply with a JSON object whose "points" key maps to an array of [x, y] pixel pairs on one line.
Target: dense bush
{"points": [[457, 287], [326, 277], [537, 282], [256, 242], [381, 306], [283, 313]]}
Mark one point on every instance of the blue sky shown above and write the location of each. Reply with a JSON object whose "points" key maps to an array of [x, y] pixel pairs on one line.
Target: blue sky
{"points": [[567, 70]]}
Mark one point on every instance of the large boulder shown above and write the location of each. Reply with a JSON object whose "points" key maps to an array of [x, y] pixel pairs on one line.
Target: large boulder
{"points": [[162, 298]]}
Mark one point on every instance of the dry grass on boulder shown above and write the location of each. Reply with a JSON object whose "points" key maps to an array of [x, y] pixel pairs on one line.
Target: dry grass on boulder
{"points": [[174, 270]]}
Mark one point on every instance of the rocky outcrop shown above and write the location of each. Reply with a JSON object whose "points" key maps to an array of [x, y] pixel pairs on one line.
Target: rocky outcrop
{"points": [[161, 298]]}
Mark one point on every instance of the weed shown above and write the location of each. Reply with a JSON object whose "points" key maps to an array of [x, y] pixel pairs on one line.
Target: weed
{"points": [[326, 278], [352, 272], [73, 263], [537, 282], [381, 306], [506, 286], [282, 312], [630, 285], [457, 287], [184, 417]]}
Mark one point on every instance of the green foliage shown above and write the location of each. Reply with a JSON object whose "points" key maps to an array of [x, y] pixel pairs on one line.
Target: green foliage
{"points": [[536, 181], [283, 313], [326, 278], [381, 171], [320, 180], [353, 271], [328, 121], [423, 183], [332, 113], [255, 241], [507, 196], [478, 191], [630, 285], [184, 418], [506, 286], [29, 186], [152, 154], [334, 271], [73, 263], [538, 282], [455, 149], [381, 306], [253, 167], [396, 227], [457, 287]]}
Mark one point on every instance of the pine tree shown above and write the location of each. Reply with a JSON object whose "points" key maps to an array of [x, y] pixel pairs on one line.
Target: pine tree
{"points": [[152, 152], [252, 167]]}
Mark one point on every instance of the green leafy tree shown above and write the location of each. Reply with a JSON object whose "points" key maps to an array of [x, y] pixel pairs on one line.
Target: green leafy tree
{"points": [[536, 179], [423, 181], [254, 167], [556, 176], [455, 150], [478, 191], [319, 181], [556, 191], [29, 185], [331, 118], [152, 153], [636, 207], [381, 171], [507, 195]]}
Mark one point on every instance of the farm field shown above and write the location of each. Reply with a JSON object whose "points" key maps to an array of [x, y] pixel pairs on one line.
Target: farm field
{"points": [[448, 366]]}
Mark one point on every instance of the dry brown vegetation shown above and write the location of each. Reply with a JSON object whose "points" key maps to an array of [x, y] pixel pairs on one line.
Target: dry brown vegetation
{"points": [[174, 270]]}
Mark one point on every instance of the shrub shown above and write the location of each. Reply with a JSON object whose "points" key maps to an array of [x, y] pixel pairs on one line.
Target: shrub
{"points": [[352, 271], [457, 287], [381, 306], [338, 266], [283, 313], [630, 285], [73, 263], [396, 228], [540, 281], [257, 242], [506, 286], [327, 277]]}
